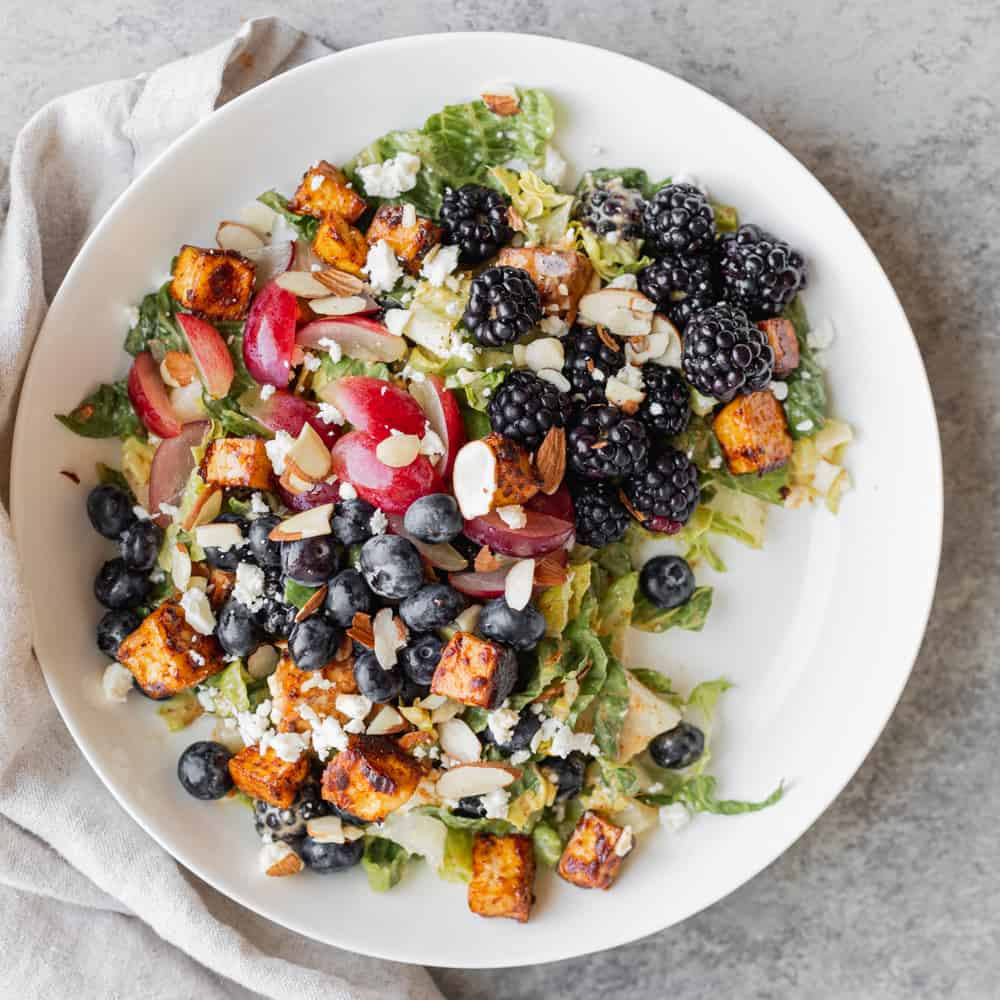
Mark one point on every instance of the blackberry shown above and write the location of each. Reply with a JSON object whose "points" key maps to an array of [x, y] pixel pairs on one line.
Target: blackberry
{"points": [[503, 306], [666, 494], [289, 823], [475, 219], [759, 272], [601, 517], [525, 407], [667, 406], [586, 354], [611, 209], [723, 353], [680, 285], [606, 444], [679, 219]]}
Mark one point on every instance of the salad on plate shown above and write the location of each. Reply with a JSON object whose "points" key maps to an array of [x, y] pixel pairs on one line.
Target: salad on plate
{"points": [[393, 452]]}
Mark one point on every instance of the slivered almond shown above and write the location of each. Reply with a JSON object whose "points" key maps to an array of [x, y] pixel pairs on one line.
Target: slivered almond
{"points": [[459, 741], [486, 561], [387, 721], [293, 482], [607, 339], [515, 220], [206, 508], [304, 284], [340, 282], [314, 602], [501, 99], [309, 523], [475, 779], [628, 506], [550, 571], [288, 864], [339, 305], [361, 630], [237, 236], [398, 450], [550, 460], [178, 369], [309, 455]]}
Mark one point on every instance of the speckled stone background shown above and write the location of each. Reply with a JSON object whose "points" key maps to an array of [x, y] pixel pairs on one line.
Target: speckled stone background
{"points": [[895, 892]]}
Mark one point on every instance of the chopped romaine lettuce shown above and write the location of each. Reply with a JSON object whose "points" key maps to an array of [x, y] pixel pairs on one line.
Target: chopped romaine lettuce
{"points": [[106, 412], [384, 862], [529, 795], [548, 846], [305, 224], [690, 616], [543, 209], [806, 403], [699, 795], [298, 593], [632, 177], [653, 679], [546, 670], [610, 260], [180, 711], [156, 329], [231, 683], [457, 864], [611, 707]]}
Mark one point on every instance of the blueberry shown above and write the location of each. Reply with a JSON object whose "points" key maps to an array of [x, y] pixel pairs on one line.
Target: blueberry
{"points": [[567, 772], [274, 615], [419, 659], [431, 607], [310, 561], [289, 823], [117, 587], [521, 630], [667, 581], [227, 559], [678, 747], [470, 807], [266, 554], [113, 628], [236, 630], [110, 510], [326, 858], [352, 521], [140, 545], [313, 642], [435, 518], [413, 691], [203, 770], [374, 681], [347, 595], [520, 738], [391, 566]]}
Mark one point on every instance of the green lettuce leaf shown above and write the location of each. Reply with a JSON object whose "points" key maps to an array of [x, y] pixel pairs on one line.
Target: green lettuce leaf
{"points": [[548, 846], [231, 683], [807, 402], [543, 209], [107, 476], [156, 326], [384, 862], [632, 177], [610, 260], [690, 616], [653, 679], [297, 593], [106, 412], [547, 668], [614, 613], [498, 827], [227, 414], [457, 864], [305, 224], [699, 795], [180, 711], [612, 706]]}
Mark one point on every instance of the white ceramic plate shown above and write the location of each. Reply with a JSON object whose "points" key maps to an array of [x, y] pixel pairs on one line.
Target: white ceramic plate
{"points": [[819, 630]]}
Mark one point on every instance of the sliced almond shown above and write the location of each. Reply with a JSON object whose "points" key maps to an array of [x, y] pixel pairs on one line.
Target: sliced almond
{"points": [[387, 721], [607, 339], [441, 555], [550, 571], [514, 220], [180, 566], [419, 717], [546, 352], [459, 741], [624, 312], [361, 630], [475, 779], [178, 369], [446, 711], [326, 829], [386, 637], [238, 237], [670, 356], [486, 561], [340, 282], [492, 472], [293, 481], [314, 603], [311, 523], [339, 305], [205, 509], [279, 860], [623, 395], [309, 455], [304, 284], [519, 583], [502, 99], [431, 702], [550, 460], [218, 536], [398, 450]]}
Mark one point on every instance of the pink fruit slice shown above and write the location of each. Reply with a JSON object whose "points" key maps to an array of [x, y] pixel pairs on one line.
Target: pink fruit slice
{"points": [[358, 336], [355, 461], [269, 336], [272, 260], [172, 466], [483, 586], [284, 411], [560, 504], [212, 357], [149, 397], [442, 412], [542, 533], [320, 494], [376, 407]]}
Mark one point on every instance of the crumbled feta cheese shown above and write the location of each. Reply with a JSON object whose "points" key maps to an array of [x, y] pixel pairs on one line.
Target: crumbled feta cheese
{"points": [[513, 516], [329, 414], [409, 216], [501, 723], [390, 178], [197, 611], [347, 492], [272, 854], [715, 462], [625, 842], [631, 376], [382, 268], [316, 681], [431, 444], [141, 513], [439, 263], [253, 726], [206, 698], [249, 586], [196, 658], [328, 735], [315, 182], [311, 362], [354, 706], [277, 450], [116, 682], [655, 409], [779, 389], [266, 391], [412, 375], [495, 803], [554, 326], [655, 788], [170, 510], [822, 335], [804, 426], [674, 817], [258, 505], [628, 281], [288, 746], [378, 522], [520, 757], [395, 320], [466, 352], [563, 741], [332, 348]]}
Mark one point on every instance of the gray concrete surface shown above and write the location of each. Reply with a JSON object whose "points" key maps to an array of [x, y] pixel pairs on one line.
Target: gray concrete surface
{"points": [[894, 893]]}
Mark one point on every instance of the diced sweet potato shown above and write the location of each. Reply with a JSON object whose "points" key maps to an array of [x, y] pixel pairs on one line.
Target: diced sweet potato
{"points": [[503, 876], [293, 689], [237, 462], [325, 189], [216, 284], [166, 655], [267, 776], [594, 853], [218, 583], [340, 245], [753, 433], [475, 671], [561, 276], [785, 344], [371, 778], [410, 243]]}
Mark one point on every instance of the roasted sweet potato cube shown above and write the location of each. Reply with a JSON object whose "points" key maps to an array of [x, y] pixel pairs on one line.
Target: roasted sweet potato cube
{"points": [[237, 462], [371, 778], [594, 853], [268, 777], [753, 433], [785, 344], [216, 284], [503, 875], [561, 276], [340, 245], [475, 671], [293, 690], [218, 583], [166, 655], [411, 243], [325, 189]]}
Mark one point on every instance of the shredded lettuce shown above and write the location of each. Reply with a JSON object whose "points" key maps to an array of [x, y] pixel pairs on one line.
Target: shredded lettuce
{"points": [[806, 404], [543, 209], [384, 862], [106, 412], [547, 844], [457, 864], [297, 593], [611, 708], [180, 711], [699, 795], [690, 616], [529, 796]]}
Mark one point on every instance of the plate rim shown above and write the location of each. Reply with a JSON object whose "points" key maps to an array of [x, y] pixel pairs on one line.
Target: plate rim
{"points": [[935, 514]]}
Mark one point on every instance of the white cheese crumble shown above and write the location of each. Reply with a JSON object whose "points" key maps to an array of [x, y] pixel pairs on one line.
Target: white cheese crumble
{"points": [[554, 326], [409, 216], [266, 391], [258, 505], [356, 726], [196, 658], [495, 803], [674, 817], [513, 516], [316, 681], [197, 611], [779, 390], [395, 320], [804, 426], [390, 178], [272, 854], [382, 268], [328, 735], [249, 586], [431, 444], [501, 724], [289, 747], [332, 348], [438, 264], [625, 842], [520, 757], [277, 450], [315, 182], [715, 462], [311, 362], [329, 414], [116, 682], [378, 522], [354, 706], [347, 492], [254, 725], [655, 409], [563, 741]]}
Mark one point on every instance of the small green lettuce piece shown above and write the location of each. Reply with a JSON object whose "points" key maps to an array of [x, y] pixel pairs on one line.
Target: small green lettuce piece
{"points": [[231, 683], [653, 679], [690, 616], [156, 329], [384, 862], [305, 224], [457, 863], [699, 795], [106, 412], [543, 209], [180, 711], [548, 847], [612, 706], [807, 403], [298, 593]]}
